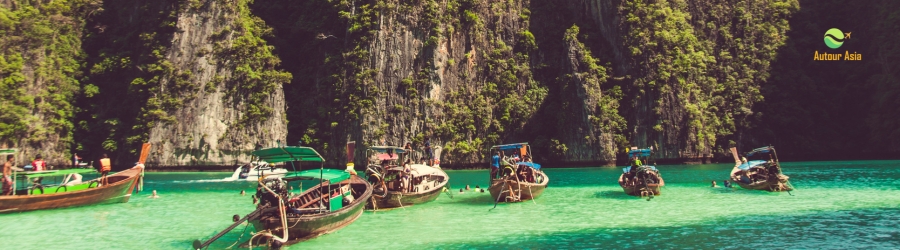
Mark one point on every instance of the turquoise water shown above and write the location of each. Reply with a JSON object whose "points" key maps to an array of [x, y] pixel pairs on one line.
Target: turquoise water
{"points": [[854, 204]]}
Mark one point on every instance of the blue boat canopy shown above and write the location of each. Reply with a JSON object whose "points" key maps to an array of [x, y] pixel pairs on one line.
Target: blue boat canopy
{"points": [[628, 168], [330, 175], [762, 150], [285, 154], [750, 164], [510, 146], [645, 152], [530, 164], [383, 149]]}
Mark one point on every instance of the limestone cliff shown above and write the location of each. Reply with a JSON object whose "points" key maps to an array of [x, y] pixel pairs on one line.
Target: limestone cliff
{"points": [[691, 70], [40, 53], [203, 88], [213, 128]]}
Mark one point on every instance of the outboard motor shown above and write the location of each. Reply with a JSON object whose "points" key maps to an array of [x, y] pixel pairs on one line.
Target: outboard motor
{"points": [[268, 199]]}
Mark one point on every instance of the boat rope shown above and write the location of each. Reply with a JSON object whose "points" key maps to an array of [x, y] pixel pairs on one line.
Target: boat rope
{"points": [[239, 237], [519, 194], [374, 204], [141, 181], [446, 190]]}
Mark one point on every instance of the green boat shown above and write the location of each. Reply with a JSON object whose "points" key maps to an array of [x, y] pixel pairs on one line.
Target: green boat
{"points": [[282, 218], [37, 190]]}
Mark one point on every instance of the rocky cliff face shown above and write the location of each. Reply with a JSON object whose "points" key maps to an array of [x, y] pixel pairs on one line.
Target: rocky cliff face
{"points": [[578, 79], [692, 70], [212, 127], [193, 78], [40, 49]]}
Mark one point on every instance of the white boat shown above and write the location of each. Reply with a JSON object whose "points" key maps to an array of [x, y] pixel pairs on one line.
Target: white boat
{"points": [[253, 170]]}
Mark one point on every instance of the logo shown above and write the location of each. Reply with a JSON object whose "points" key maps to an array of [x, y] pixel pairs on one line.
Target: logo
{"points": [[834, 38]]}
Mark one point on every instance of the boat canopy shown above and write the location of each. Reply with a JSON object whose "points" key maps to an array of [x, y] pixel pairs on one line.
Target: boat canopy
{"points": [[751, 164], [385, 156], [510, 146], [384, 149], [330, 175], [645, 152], [628, 168], [762, 150], [6, 151], [285, 154], [57, 172], [421, 169], [530, 164]]}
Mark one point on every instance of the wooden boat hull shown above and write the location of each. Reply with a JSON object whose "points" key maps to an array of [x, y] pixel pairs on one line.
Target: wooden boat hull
{"points": [[398, 199], [639, 190], [393, 199], [119, 190], [526, 191], [771, 184], [306, 227]]}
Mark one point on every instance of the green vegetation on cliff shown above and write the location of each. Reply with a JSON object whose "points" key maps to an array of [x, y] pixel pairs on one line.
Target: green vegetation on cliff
{"points": [[697, 68], [40, 61], [134, 84]]}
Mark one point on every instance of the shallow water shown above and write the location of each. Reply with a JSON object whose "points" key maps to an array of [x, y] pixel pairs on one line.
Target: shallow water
{"points": [[851, 204]]}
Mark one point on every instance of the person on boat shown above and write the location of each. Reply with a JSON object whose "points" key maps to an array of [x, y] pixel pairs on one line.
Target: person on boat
{"points": [[495, 165], [7, 175], [714, 184], [38, 164], [635, 163], [408, 149], [105, 167], [75, 160], [428, 152]]}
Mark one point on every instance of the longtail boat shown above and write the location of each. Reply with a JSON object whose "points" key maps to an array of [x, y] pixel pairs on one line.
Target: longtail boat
{"points": [[70, 192], [514, 177], [282, 218], [398, 185], [760, 173], [640, 179]]}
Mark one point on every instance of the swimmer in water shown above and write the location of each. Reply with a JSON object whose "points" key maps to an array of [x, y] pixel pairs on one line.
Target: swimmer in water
{"points": [[460, 190], [243, 193], [154, 195], [467, 187], [714, 184]]}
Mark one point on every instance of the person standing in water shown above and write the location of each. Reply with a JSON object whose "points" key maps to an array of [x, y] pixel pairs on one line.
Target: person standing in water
{"points": [[105, 167]]}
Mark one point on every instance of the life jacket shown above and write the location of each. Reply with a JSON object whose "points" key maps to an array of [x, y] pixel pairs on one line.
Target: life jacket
{"points": [[104, 165]]}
